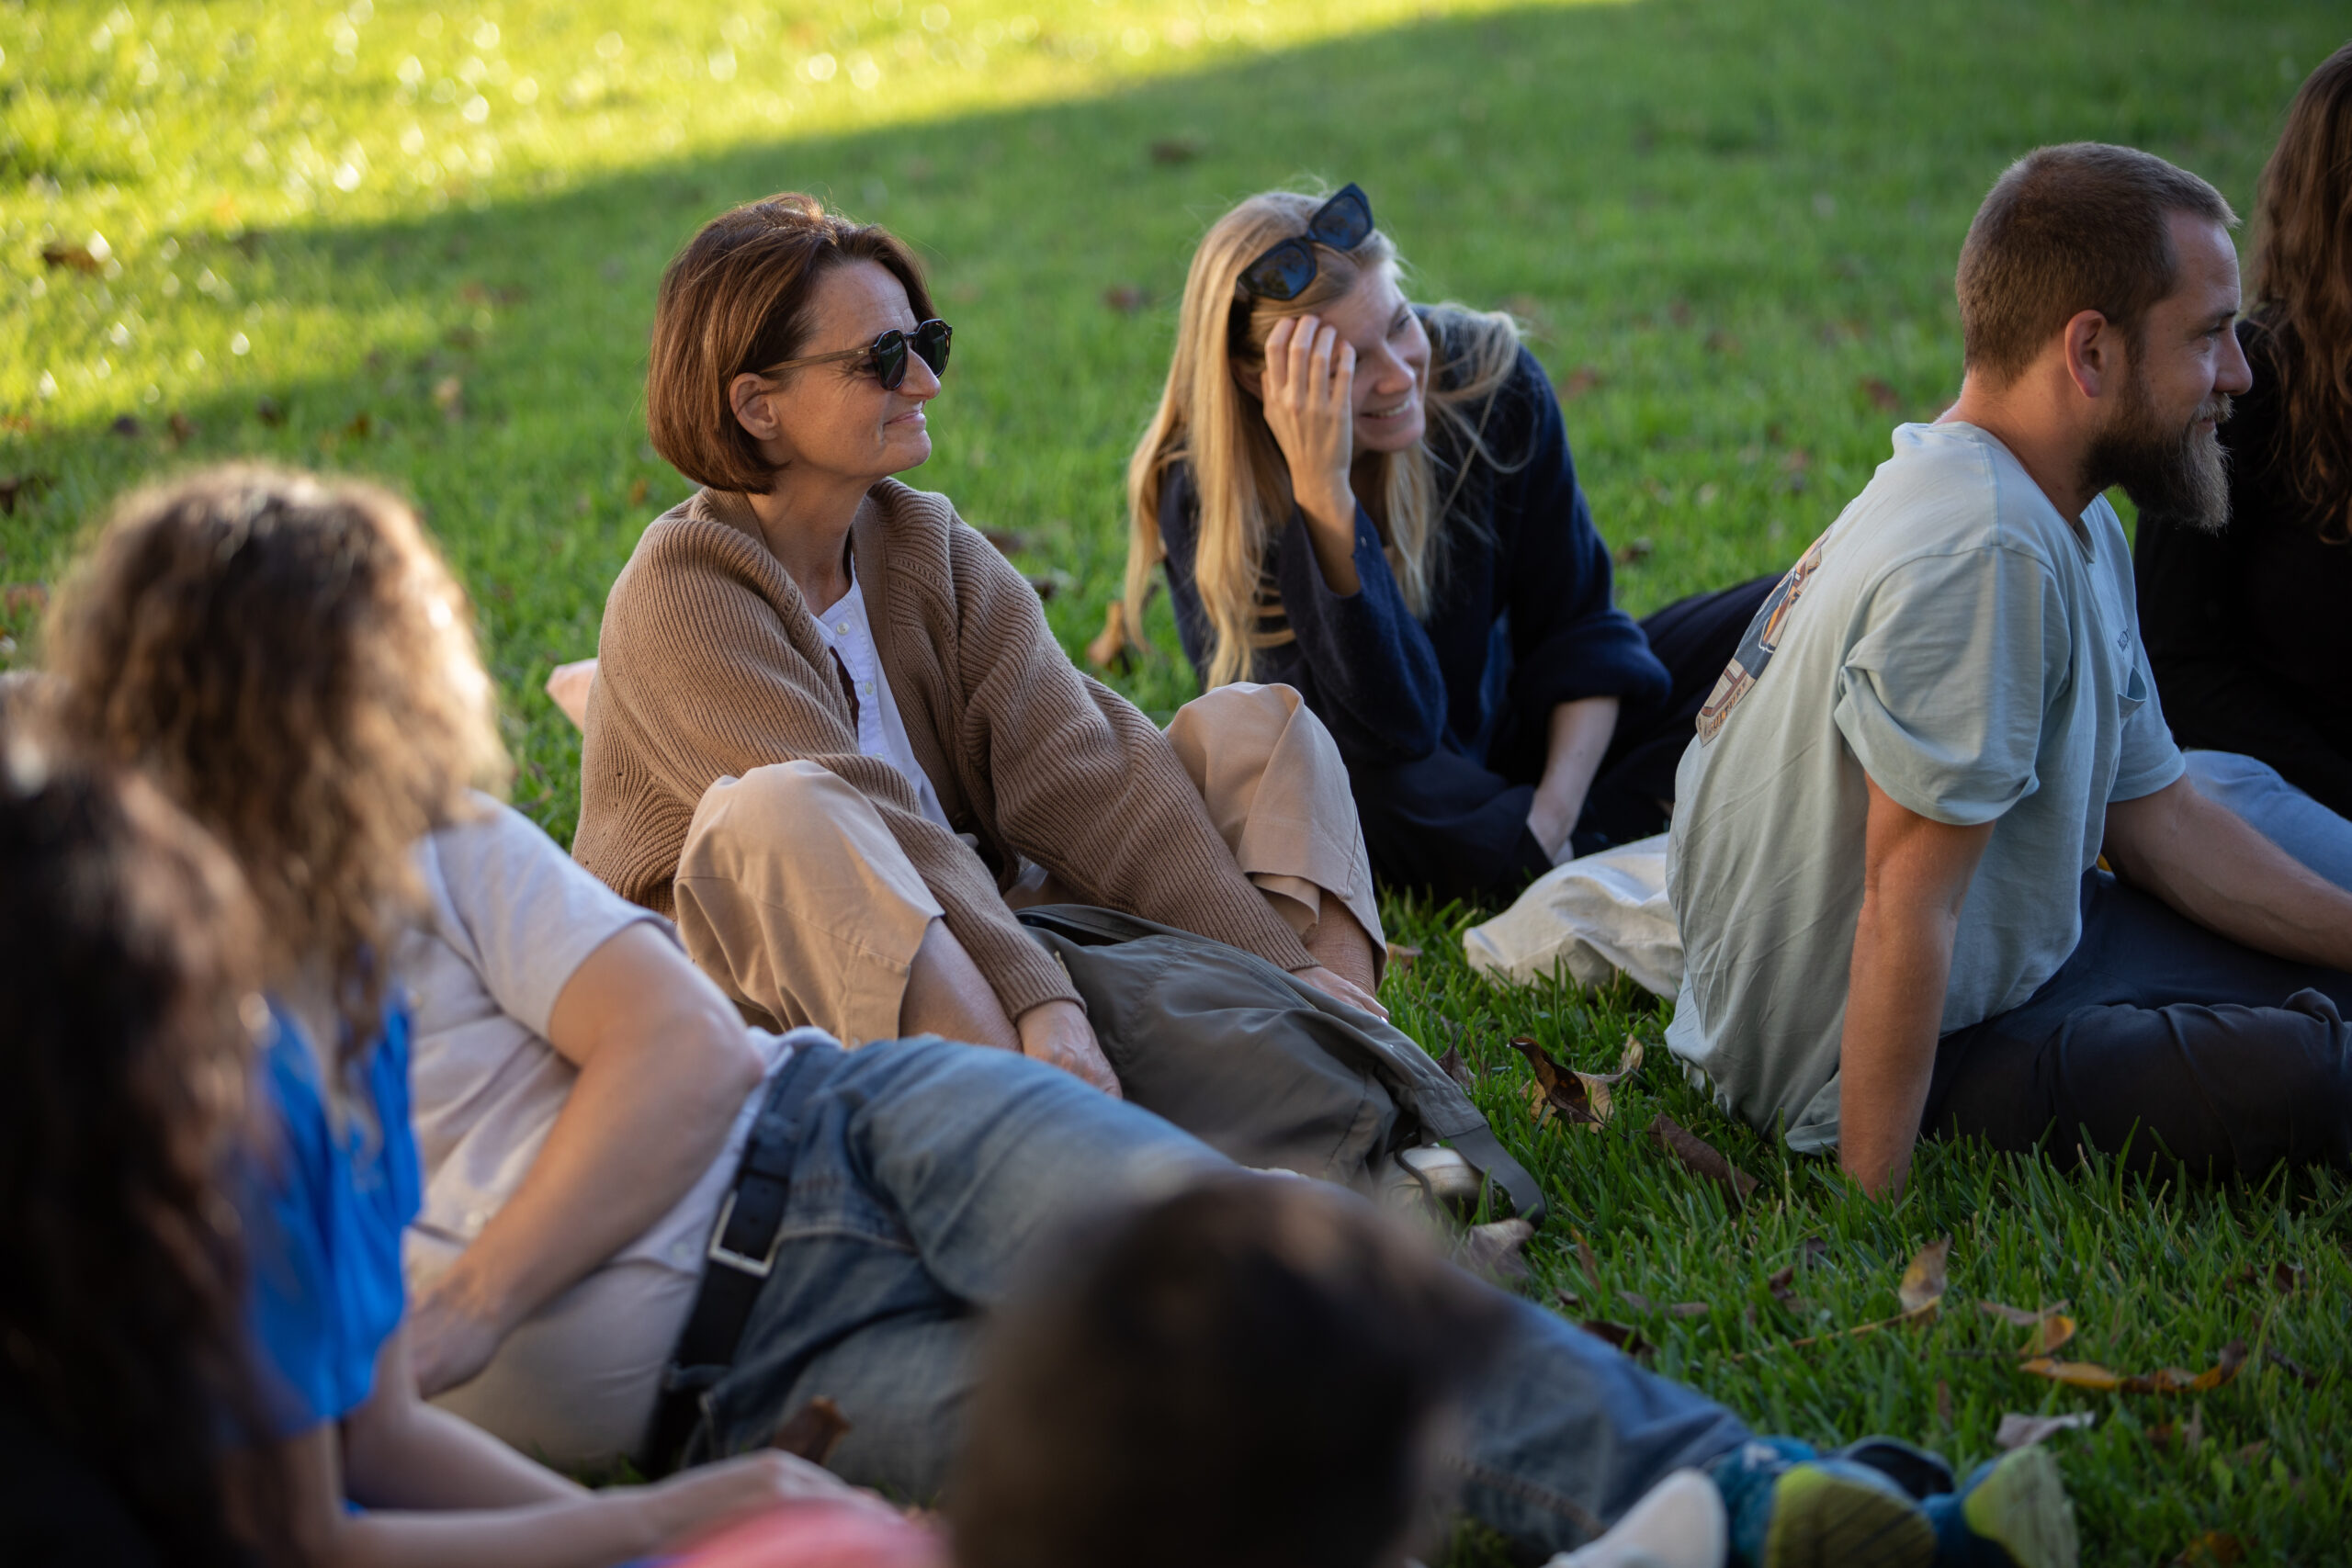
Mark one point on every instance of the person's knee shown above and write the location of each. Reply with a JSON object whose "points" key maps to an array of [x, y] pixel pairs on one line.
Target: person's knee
{"points": [[783, 802], [1236, 728]]}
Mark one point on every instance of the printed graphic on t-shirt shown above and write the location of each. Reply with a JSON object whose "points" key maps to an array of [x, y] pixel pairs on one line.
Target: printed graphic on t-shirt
{"points": [[1747, 666]]}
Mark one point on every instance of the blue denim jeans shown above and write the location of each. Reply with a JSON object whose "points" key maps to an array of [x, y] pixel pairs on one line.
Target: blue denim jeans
{"points": [[2280, 812], [924, 1175]]}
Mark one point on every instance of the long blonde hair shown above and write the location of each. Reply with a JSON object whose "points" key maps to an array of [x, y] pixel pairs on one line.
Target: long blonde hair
{"points": [[1206, 419]]}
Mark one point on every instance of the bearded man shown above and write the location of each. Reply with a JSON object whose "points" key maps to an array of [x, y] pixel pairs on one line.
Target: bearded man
{"points": [[1886, 863]]}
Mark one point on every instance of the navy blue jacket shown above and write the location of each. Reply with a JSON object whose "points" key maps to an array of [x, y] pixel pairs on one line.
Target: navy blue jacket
{"points": [[1523, 620]]}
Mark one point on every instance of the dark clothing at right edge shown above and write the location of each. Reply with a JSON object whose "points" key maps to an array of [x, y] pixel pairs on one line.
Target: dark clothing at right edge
{"points": [[2161, 1035], [2247, 630]]}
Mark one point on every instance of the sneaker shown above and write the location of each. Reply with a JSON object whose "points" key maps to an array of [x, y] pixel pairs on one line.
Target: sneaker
{"points": [[1792, 1508], [1679, 1524], [2012, 1513]]}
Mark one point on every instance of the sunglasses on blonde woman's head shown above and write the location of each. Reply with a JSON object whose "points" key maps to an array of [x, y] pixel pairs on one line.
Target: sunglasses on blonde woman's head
{"points": [[1283, 272], [886, 357]]}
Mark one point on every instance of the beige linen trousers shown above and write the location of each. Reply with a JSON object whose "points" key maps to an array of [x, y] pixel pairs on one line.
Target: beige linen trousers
{"points": [[793, 895]]}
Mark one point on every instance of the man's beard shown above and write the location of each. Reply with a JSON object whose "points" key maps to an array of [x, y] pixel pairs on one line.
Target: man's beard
{"points": [[2178, 474]]}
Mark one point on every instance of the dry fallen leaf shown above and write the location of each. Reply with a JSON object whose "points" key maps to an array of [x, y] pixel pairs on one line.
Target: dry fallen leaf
{"points": [[1883, 398], [89, 257], [1623, 1335], [813, 1431], [1576, 383], [2285, 1276], [267, 410], [1109, 649], [1633, 552], [1125, 297], [1401, 956], [1943, 1401], [1494, 1250], [16, 596], [1814, 1248], [1177, 148], [1456, 1068], [20, 487], [2017, 1431], [1638, 1301], [1923, 1283], [1586, 1261], [2303, 1374], [2171, 1380], [2050, 1336], [1782, 1285], [1702, 1156], [1689, 1309], [2018, 1316], [2211, 1549], [1557, 1089]]}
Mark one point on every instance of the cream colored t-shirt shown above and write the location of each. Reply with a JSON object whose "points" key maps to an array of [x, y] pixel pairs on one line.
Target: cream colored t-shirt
{"points": [[510, 918]]}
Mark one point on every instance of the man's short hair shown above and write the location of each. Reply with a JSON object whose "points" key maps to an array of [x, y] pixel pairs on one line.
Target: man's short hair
{"points": [[736, 299], [1246, 1374], [2081, 227]]}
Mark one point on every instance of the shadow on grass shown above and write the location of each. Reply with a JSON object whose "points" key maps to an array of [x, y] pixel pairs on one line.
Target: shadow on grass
{"points": [[1724, 208]]}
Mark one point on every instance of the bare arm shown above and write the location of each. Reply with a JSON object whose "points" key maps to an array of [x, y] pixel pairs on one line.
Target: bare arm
{"points": [[1915, 873], [2204, 861], [442, 1493], [665, 1067], [1581, 731]]}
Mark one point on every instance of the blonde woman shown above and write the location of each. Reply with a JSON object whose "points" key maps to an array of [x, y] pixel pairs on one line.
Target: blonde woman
{"points": [[1373, 501]]}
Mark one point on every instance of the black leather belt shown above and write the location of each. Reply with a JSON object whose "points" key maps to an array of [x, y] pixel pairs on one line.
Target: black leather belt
{"points": [[738, 1258]]}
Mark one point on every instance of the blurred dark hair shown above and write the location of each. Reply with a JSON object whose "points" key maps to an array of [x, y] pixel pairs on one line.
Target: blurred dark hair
{"points": [[128, 1008], [1250, 1374], [736, 301], [2302, 289], [2080, 227]]}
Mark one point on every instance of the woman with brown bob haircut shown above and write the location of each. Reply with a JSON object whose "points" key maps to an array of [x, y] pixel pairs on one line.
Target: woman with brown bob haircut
{"points": [[2245, 624], [830, 730], [291, 663]]}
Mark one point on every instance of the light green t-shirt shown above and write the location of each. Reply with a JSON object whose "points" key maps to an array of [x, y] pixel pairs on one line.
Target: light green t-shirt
{"points": [[1956, 639]]}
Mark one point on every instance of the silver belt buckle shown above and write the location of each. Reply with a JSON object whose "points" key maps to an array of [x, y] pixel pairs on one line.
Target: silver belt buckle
{"points": [[718, 1252]]}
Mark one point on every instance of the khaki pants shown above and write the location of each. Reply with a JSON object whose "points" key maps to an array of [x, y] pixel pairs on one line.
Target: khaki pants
{"points": [[792, 894]]}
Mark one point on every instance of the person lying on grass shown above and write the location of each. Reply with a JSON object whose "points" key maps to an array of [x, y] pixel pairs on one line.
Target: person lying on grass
{"points": [[2244, 623], [292, 666], [1943, 720], [828, 728], [1373, 501]]}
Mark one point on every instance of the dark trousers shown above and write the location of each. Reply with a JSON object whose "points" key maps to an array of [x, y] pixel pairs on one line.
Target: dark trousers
{"points": [[2161, 1040], [1457, 825]]}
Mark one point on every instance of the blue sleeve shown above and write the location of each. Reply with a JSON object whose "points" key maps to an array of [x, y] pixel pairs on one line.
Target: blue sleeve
{"points": [[1569, 638], [1362, 663], [324, 1208]]}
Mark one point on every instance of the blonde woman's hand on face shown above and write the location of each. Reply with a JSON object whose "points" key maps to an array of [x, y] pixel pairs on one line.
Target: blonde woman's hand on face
{"points": [[1309, 398]]}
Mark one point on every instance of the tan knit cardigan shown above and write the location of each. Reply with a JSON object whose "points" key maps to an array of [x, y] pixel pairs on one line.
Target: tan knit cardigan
{"points": [[710, 664]]}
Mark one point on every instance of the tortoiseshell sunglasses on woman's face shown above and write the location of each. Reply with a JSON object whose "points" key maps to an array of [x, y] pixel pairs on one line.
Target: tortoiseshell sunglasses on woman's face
{"points": [[886, 355]]}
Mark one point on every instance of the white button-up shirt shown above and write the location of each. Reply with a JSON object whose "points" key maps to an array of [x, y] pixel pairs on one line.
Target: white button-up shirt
{"points": [[881, 731]]}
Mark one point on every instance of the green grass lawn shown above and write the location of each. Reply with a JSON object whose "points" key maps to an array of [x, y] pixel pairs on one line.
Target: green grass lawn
{"points": [[421, 245]]}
